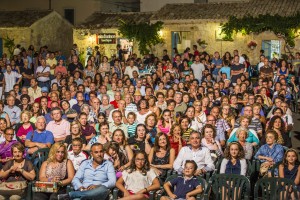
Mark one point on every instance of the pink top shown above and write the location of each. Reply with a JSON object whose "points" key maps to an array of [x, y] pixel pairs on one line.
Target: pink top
{"points": [[22, 131], [164, 130], [59, 130]]}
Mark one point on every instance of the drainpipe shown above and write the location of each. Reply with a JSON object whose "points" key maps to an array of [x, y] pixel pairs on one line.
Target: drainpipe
{"points": [[50, 4]]}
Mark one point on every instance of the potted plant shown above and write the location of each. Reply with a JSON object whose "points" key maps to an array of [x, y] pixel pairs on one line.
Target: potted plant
{"points": [[252, 44], [202, 43]]}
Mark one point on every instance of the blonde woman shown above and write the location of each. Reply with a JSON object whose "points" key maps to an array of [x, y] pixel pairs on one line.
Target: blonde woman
{"points": [[25, 126], [57, 168]]}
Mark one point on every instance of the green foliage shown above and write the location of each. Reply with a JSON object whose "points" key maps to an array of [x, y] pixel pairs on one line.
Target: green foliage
{"points": [[283, 26], [9, 43], [146, 34]]}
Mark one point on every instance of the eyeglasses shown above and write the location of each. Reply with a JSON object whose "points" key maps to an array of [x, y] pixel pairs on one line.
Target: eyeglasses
{"points": [[10, 134]]}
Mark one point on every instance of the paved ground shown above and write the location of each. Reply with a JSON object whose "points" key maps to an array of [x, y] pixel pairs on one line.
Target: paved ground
{"points": [[296, 132]]}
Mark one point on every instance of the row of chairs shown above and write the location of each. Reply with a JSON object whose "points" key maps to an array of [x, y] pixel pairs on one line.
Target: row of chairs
{"points": [[214, 184]]}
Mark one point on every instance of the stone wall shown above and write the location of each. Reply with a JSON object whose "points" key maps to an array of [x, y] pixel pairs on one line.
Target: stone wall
{"points": [[53, 31], [21, 36], [206, 30], [85, 38]]}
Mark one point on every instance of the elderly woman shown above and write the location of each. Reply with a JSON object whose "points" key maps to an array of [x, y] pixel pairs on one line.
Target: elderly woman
{"points": [[5, 147], [252, 136], [209, 134], [17, 169], [143, 111], [271, 152], [242, 135], [22, 129], [101, 138], [106, 107], [57, 168], [75, 130]]}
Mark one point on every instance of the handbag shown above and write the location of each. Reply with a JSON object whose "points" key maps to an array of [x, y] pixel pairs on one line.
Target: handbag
{"points": [[13, 188], [264, 168], [48, 187]]}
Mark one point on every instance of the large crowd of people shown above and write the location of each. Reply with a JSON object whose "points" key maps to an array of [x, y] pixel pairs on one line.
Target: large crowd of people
{"points": [[128, 123]]}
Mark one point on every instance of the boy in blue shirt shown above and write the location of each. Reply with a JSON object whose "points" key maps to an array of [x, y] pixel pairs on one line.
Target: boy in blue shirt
{"points": [[225, 70], [186, 187]]}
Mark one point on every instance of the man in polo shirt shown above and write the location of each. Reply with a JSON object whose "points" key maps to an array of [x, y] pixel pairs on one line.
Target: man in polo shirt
{"points": [[39, 138], [117, 123], [180, 106], [59, 126], [201, 155]]}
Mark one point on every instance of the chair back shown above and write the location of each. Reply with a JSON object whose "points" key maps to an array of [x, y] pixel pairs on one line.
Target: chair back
{"points": [[229, 186], [275, 189], [38, 158]]}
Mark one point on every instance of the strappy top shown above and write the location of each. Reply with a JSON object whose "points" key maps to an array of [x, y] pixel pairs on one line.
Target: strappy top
{"points": [[59, 170]]}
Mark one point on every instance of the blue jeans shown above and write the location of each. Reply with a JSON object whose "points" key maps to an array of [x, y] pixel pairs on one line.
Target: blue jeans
{"points": [[100, 192]]}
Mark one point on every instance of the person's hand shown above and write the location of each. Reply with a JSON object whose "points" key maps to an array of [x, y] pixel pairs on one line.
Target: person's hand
{"points": [[56, 179], [13, 169], [141, 191], [126, 194], [121, 168], [187, 196], [269, 159], [91, 187], [198, 172], [147, 137], [173, 196], [81, 188]]}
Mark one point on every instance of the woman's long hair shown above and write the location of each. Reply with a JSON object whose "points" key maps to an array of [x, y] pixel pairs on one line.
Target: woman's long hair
{"points": [[240, 155], [53, 150], [156, 143], [146, 167], [285, 162], [272, 121]]}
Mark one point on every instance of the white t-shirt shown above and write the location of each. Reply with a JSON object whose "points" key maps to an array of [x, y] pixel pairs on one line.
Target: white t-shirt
{"points": [[129, 70], [198, 68], [136, 181], [10, 80], [42, 70]]}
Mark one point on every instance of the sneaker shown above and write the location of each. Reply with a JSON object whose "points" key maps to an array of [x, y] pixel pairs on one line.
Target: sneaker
{"points": [[63, 197]]}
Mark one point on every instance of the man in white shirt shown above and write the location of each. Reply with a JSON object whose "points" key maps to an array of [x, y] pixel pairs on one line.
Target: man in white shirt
{"points": [[198, 68], [43, 74], [129, 69], [10, 79], [261, 63], [14, 112], [201, 155]]}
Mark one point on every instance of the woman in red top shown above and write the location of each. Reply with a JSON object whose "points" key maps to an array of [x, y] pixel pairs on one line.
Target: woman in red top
{"points": [[175, 139]]}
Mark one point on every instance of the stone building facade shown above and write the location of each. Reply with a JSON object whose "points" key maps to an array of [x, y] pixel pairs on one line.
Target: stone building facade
{"points": [[38, 28], [185, 23]]}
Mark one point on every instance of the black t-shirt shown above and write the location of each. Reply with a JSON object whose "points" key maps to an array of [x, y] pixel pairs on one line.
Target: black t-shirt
{"points": [[72, 67], [68, 140], [139, 145], [236, 68], [27, 71]]}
